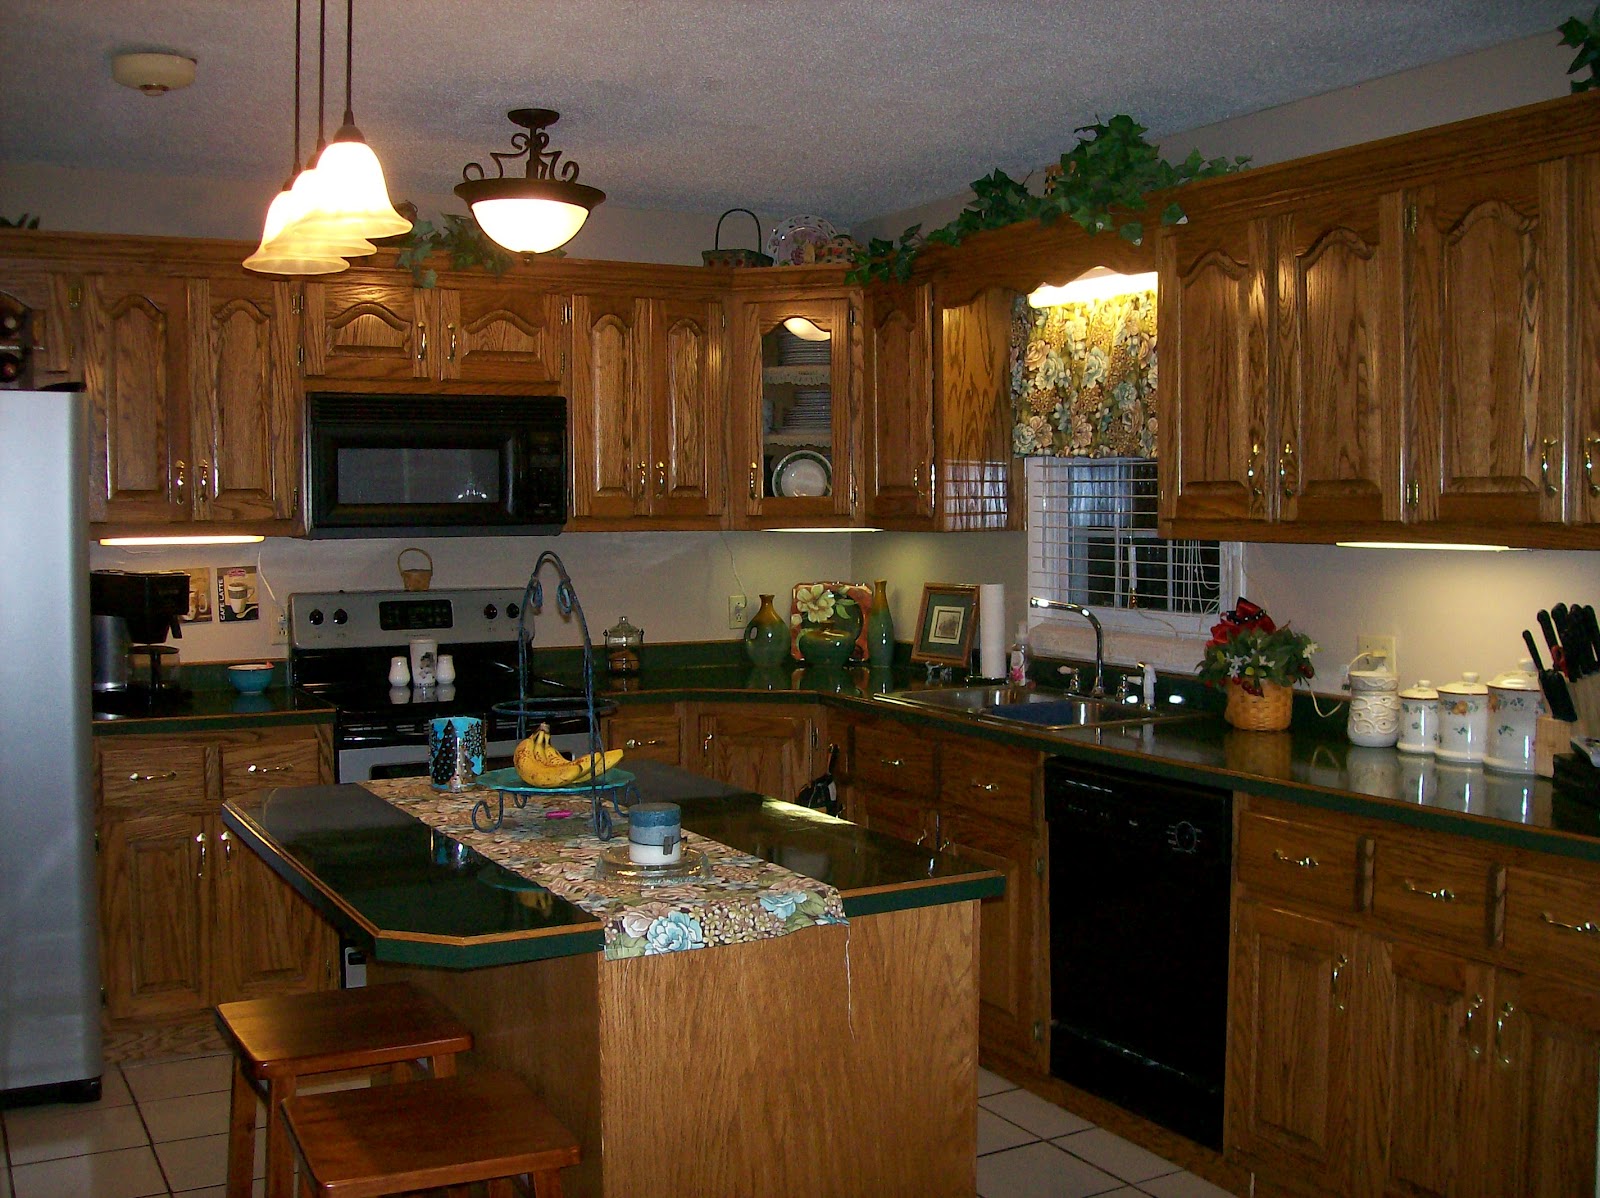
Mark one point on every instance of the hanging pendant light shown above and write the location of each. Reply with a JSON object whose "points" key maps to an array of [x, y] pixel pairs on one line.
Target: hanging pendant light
{"points": [[352, 196], [278, 255], [536, 213]]}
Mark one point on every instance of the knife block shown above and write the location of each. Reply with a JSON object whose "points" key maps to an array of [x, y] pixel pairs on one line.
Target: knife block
{"points": [[1551, 738]]}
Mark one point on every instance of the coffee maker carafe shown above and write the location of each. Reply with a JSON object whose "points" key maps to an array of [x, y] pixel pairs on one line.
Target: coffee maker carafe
{"points": [[132, 613]]}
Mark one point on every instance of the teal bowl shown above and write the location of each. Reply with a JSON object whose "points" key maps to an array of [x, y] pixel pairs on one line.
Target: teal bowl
{"points": [[251, 679]]}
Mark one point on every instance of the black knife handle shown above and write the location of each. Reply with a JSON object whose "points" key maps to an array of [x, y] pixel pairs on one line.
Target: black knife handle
{"points": [[1547, 626], [1533, 650], [1589, 628]]}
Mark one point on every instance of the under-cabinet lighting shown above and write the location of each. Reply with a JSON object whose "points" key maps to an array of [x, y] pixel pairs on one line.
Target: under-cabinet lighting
{"points": [[232, 538], [824, 530], [805, 330], [1096, 284], [1429, 545]]}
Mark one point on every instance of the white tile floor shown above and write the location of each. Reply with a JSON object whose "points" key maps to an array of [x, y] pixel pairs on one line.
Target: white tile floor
{"points": [[161, 1128]]}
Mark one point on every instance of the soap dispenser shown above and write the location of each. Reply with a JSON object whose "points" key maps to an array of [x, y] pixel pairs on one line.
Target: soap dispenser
{"points": [[1017, 659]]}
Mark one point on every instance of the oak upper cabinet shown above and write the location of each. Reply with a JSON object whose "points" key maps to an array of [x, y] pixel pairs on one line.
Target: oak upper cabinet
{"points": [[645, 390], [898, 369], [974, 488], [376, 326], [794, 457], [246, 425], [1583, 461], [1488, 266], [136, 372], [762, 748], [55, 300]]}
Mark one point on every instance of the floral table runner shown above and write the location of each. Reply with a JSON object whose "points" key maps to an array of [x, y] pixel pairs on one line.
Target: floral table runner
{"points": [[747, 898]]}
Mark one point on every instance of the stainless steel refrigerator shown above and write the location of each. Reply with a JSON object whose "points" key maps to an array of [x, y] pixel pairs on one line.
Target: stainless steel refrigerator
{"points": [[49, 962]]}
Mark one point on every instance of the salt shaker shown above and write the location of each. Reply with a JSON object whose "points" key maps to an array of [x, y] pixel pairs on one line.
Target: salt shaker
{"points": [[444, 669], [399, 672]]}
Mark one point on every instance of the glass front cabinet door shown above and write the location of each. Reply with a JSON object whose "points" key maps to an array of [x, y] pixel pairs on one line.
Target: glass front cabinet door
{"points": [[796, 439]]}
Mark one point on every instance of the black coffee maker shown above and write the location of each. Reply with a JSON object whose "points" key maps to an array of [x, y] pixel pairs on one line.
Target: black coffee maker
{"points": [[132, 614]]}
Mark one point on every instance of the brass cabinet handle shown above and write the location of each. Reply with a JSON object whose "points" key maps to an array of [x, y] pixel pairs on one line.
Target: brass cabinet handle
{"points": [[753, 469], [1549, 443], [644, 485], [1284, 463], [1587, 928], [916, 479], [1473, 1050], [940, 841], [1506, 1010], [1443, 895], [201, 489], [635, 743], [1250, 469], [1334, 989], [922, 840], [661, 478], [451, 356], [1306, 862], [200, 839], [267, 769], [1590, 444], [1413, 494], [705, 745], [227, 845], [180, 473], [163, 776], [891, 762], [986, 787], [422, 342]]}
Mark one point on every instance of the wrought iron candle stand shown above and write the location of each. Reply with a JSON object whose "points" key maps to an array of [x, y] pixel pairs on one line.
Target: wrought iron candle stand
{"points": [[528, 711]]}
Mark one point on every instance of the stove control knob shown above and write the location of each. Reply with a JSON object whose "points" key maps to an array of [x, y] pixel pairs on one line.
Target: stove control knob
{"points": [[511, 611], [316, 615], [490, 611], [340, 616]]}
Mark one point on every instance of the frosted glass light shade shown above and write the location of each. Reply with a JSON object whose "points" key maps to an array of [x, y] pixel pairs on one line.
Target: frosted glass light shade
{"points": [[352, 190], [278, 255], [530, 225], [805, 329], [311, 223]]}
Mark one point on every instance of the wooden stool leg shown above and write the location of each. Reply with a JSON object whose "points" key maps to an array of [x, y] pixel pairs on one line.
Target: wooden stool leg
{"points": [[501, 1187], [444, 1064], [241, 1132], [280, 1153], [547, 1184]]}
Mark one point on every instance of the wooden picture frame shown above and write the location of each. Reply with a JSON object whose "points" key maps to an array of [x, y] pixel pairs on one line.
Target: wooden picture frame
{"points": [[946, 624]]}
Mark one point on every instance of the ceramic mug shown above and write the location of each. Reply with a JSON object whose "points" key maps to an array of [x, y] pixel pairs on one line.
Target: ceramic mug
{"points": [[455, 751]]}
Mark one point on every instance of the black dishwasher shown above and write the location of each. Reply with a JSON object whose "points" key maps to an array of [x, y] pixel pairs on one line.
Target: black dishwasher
{"points": [[1139, 875]]}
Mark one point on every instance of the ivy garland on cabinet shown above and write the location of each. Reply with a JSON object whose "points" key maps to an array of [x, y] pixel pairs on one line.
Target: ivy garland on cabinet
{"points": [[1585, 35]]}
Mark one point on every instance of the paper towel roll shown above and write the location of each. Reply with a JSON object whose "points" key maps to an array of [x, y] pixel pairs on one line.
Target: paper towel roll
{"points": [[992, 629]]}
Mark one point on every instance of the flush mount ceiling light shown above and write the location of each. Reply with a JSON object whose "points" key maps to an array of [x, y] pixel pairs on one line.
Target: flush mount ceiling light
{"points": [[1095, 284], [540, 211], [153, 74]]}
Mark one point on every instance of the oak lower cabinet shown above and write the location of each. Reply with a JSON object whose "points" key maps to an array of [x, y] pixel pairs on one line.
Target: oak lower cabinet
{"points": [[188, 917], [650, 730], [976, 799], [1397, 1023], [766, 748]]}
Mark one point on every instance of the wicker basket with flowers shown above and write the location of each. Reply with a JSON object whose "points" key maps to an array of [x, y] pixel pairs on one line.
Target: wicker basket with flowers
{"points": [[1259, 663]]}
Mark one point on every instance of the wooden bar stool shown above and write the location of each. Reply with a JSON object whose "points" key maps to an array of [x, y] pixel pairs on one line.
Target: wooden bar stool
{"points": [[278, 1040], [450, 1131]]}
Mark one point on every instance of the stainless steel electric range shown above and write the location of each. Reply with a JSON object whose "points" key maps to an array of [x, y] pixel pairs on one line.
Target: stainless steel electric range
{"points": [[342, 644]]}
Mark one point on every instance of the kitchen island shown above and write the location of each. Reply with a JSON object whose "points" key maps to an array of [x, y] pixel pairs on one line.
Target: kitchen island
{"points": [[838, 1060]]}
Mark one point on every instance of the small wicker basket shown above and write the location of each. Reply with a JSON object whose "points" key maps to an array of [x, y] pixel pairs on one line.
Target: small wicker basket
{"points": [[1267, 712], [414, 578], [732, 257]]}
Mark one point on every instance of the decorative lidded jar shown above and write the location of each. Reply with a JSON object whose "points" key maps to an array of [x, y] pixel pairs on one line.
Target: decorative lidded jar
{"points": [[623, 642], [1515, 705], [1463, 720], [1374, 709], [1419, 718]]}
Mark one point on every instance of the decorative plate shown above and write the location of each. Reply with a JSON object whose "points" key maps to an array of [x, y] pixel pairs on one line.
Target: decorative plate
{"points": [[804, 472], [796, 241], [511, 782]]}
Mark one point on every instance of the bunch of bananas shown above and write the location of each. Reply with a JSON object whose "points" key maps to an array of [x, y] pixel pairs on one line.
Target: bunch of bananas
{"points": [[539, 763]]}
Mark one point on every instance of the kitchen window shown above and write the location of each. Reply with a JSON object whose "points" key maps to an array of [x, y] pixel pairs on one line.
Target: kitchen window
{"points": [[1092, 541]]}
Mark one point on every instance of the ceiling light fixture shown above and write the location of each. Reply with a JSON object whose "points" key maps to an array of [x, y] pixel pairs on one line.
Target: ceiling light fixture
{"points": [[153, 74], [1438, 545], [806, 330], [235, 538], [1097, 283], [536, 213]]}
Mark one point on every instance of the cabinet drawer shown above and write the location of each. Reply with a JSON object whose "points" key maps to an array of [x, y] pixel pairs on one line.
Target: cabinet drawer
{"points": [[894, 756], [247, 769], [1423, 888], [135, 774], [1553, 923], [1325, 867], [988, 779], [650, 734]]}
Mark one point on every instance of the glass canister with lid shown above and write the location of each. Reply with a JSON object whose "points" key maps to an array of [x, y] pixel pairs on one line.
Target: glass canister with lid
{"points": [[1463, 720], [623, 642], [1515, 705]]}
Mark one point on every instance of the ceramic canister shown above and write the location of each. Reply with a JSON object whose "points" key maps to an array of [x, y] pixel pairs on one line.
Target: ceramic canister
{"points": [[1515, 705], [1419, 718], [1463, 720], [1374, 709]]}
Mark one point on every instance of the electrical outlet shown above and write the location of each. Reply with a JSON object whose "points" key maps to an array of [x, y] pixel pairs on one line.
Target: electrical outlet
{"points": [[738, 611], [1380, 650], [280, 629]]}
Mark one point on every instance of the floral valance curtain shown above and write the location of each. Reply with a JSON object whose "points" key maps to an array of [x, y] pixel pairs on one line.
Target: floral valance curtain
{"points": [[1083, 378]]}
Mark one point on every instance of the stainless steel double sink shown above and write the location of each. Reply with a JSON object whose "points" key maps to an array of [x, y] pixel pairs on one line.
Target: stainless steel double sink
{"points": [[1026, 707]]}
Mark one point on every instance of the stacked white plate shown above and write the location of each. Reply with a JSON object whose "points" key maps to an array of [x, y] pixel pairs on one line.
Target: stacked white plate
{"points": [[797, 351], [813, 409]]}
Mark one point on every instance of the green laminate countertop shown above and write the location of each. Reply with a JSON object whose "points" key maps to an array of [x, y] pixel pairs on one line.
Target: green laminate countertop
{"points": [[212, 710], [418, 897]]}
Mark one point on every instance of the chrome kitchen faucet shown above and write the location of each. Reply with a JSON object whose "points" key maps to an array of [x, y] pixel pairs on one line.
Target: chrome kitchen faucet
{"points": [[1099, 687]]}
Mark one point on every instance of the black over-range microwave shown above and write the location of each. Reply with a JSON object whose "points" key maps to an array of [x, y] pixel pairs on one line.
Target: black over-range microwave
{"points": [[432, 465]]}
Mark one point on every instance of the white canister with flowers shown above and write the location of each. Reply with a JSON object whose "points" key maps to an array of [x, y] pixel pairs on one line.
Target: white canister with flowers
{"points": [[1259, 664]]}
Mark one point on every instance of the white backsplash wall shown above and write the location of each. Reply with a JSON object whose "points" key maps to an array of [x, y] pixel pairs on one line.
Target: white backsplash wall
{"points": [[675, 586], [1450, 611], [909, 559]]}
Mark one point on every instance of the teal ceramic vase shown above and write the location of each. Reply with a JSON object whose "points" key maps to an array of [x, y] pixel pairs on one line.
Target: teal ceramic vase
{"points": [[880, 628], [766, 637], [826, 646]]}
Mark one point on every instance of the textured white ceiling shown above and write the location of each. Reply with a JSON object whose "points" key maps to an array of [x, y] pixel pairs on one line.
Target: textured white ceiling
{"points": [[846, 109]]}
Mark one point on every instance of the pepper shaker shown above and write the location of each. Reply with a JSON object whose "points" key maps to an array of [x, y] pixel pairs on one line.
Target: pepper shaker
{"points": [[399, 672]]}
